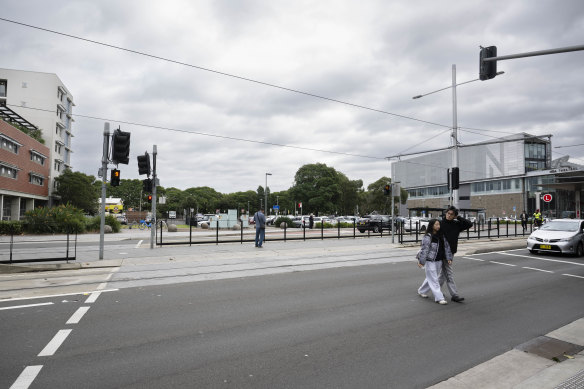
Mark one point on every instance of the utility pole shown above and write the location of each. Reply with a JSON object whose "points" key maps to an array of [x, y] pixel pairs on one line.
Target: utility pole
{"points": [[454, 134], [104, 159], [154, 199]]}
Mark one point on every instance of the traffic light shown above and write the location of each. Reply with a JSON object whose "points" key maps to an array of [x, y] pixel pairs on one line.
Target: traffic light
{"points": [[150, 198], [115, 178], [386, 190], [487, 70], [144, 164], [121, 147], [455, 178], [147, 185]]}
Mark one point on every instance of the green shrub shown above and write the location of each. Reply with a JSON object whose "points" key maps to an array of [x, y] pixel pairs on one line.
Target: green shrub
{"points": [[113, 223], [94, 223], [10, 227], [61, 219], [284, 219]]}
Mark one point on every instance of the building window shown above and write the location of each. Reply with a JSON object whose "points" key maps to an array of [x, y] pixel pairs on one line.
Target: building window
{"points": [[7, 208], [58, 165], [58, 148], [37, 157], [9, 144], [36, 179], [3, 85], [8, 171]]}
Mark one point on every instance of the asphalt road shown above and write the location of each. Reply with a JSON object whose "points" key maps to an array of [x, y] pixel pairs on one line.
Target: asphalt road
{"points": [[360, 326]]}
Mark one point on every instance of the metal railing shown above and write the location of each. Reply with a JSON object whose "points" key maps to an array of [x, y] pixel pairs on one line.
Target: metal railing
{"points": [[23, 250]]}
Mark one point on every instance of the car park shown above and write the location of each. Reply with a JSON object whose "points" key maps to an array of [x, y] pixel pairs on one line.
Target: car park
{"points": [[563, 236], [375, 223]]}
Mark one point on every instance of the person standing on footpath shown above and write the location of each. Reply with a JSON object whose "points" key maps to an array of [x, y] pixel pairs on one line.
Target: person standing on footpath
{"points": [[260, 224], [523, 218], [435, 250], [452, 225]]}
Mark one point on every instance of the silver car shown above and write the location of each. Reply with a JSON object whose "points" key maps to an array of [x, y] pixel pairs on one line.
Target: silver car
{"points": [[564, 236]]}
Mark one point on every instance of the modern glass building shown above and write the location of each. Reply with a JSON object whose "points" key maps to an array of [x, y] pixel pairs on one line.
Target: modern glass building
{"points": [[503, 177]]}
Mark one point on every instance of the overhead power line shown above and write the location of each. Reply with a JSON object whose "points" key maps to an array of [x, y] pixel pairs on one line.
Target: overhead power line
{"points": [[206, 134], [223, 73]]}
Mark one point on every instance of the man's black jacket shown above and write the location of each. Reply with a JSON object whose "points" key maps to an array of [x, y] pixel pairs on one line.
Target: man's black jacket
{"points": [[451, 229]]}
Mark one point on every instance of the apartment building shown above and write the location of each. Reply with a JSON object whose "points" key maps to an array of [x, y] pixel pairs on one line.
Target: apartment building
{"points": [[24, 172], [43, 100]]}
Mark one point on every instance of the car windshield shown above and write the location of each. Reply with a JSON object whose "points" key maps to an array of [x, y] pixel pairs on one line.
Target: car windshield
{"points": [[561, 226]]}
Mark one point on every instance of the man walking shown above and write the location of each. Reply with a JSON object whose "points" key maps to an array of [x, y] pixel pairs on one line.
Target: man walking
{"points": [[452, 225], [524, 221], [260, 224]]}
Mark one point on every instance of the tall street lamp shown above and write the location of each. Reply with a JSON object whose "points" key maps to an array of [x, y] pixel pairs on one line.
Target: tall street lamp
{"points": [[454, 195], [266, 191]]}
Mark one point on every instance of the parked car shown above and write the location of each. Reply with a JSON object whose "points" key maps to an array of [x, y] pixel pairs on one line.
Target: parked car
{"points": [[375, 223], [564, 236], [412, 223], [122, 219]]}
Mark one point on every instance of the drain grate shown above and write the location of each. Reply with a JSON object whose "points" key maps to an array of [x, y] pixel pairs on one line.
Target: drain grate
{"points": [[550, 348], [576, 382]]}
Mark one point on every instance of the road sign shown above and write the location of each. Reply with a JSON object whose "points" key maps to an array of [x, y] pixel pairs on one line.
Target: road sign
{"points": [[276, 207], [547, 197]]}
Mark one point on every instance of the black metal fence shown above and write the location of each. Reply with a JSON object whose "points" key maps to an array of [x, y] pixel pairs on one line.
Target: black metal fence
{"points": [[407, 232], [492, 228], [21, 249]]}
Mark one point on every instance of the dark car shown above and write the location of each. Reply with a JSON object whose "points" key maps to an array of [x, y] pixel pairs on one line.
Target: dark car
{"points": [[375, 223]]}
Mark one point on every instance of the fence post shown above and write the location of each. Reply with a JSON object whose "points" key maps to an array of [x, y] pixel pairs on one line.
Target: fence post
{"points": [[161, 233], [190, 231], [417, 231], [241, 229], [498, 231], [11, 244], [285, 226], [75, 246], [339, 229], [303, 230], [67, 250], [489, 229], [515, 228], [354, 223], [321, 229], [381, 227], [217, 234]]}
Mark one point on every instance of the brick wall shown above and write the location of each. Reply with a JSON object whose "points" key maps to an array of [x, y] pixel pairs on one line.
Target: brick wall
{"points": [[24, 163]]}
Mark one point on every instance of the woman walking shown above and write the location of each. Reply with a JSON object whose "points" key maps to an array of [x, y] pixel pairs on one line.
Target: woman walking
{"points": [[435, 249]]}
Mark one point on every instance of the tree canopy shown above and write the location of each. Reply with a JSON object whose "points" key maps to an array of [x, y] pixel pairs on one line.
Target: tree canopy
{"points": [[78, 189]]}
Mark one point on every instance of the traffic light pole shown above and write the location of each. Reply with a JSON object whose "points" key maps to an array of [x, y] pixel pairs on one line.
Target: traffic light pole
{"points": [[104, 159], [454, 133], [153, 219]]}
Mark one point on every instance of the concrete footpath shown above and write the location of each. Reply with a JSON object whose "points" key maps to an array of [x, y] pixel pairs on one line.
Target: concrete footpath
{"points": [[553, 360]]}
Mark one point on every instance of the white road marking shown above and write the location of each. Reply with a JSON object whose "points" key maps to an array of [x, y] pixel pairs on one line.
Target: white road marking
{"points": [[138, 244], [25, 306], [74, 319], [572, 275], [543, 259], [501, 263], [533, 268], [55, 343], [26, 377], [474, 259], [54, 295], [92, 297]]}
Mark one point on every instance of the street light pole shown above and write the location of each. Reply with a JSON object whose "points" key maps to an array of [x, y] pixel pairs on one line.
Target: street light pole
{"points": [[266, 192]]}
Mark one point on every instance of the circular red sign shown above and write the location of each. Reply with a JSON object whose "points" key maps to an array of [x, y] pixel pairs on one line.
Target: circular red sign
{"points": [[547, 198]]}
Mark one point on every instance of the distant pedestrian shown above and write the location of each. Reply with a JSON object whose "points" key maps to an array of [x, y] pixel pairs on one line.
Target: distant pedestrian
{"points": [[260, 225], [435, 250], [523, 218], [452, 225], [311, 221]]}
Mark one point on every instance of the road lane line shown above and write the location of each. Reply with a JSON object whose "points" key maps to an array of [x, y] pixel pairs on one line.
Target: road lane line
{"points": [[533, 268], [92, 297], [543, 259], [26, 377], [55, 343], [474, 259], [572, 275], [74, 319], [55, 295], [138, 244], [502, 263], [25, 306]]}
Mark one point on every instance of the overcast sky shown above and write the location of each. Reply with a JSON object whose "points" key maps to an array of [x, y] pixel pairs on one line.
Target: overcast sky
{"points": [[374, 54]]}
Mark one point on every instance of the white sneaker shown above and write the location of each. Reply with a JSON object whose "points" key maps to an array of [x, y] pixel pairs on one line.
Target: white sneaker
{"points": [[422, 295], [442, 302]]}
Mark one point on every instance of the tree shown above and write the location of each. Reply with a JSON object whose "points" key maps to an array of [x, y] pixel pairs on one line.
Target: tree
{"points": [[376, 200], [78, 189], [317, 187], [129, 191]]}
